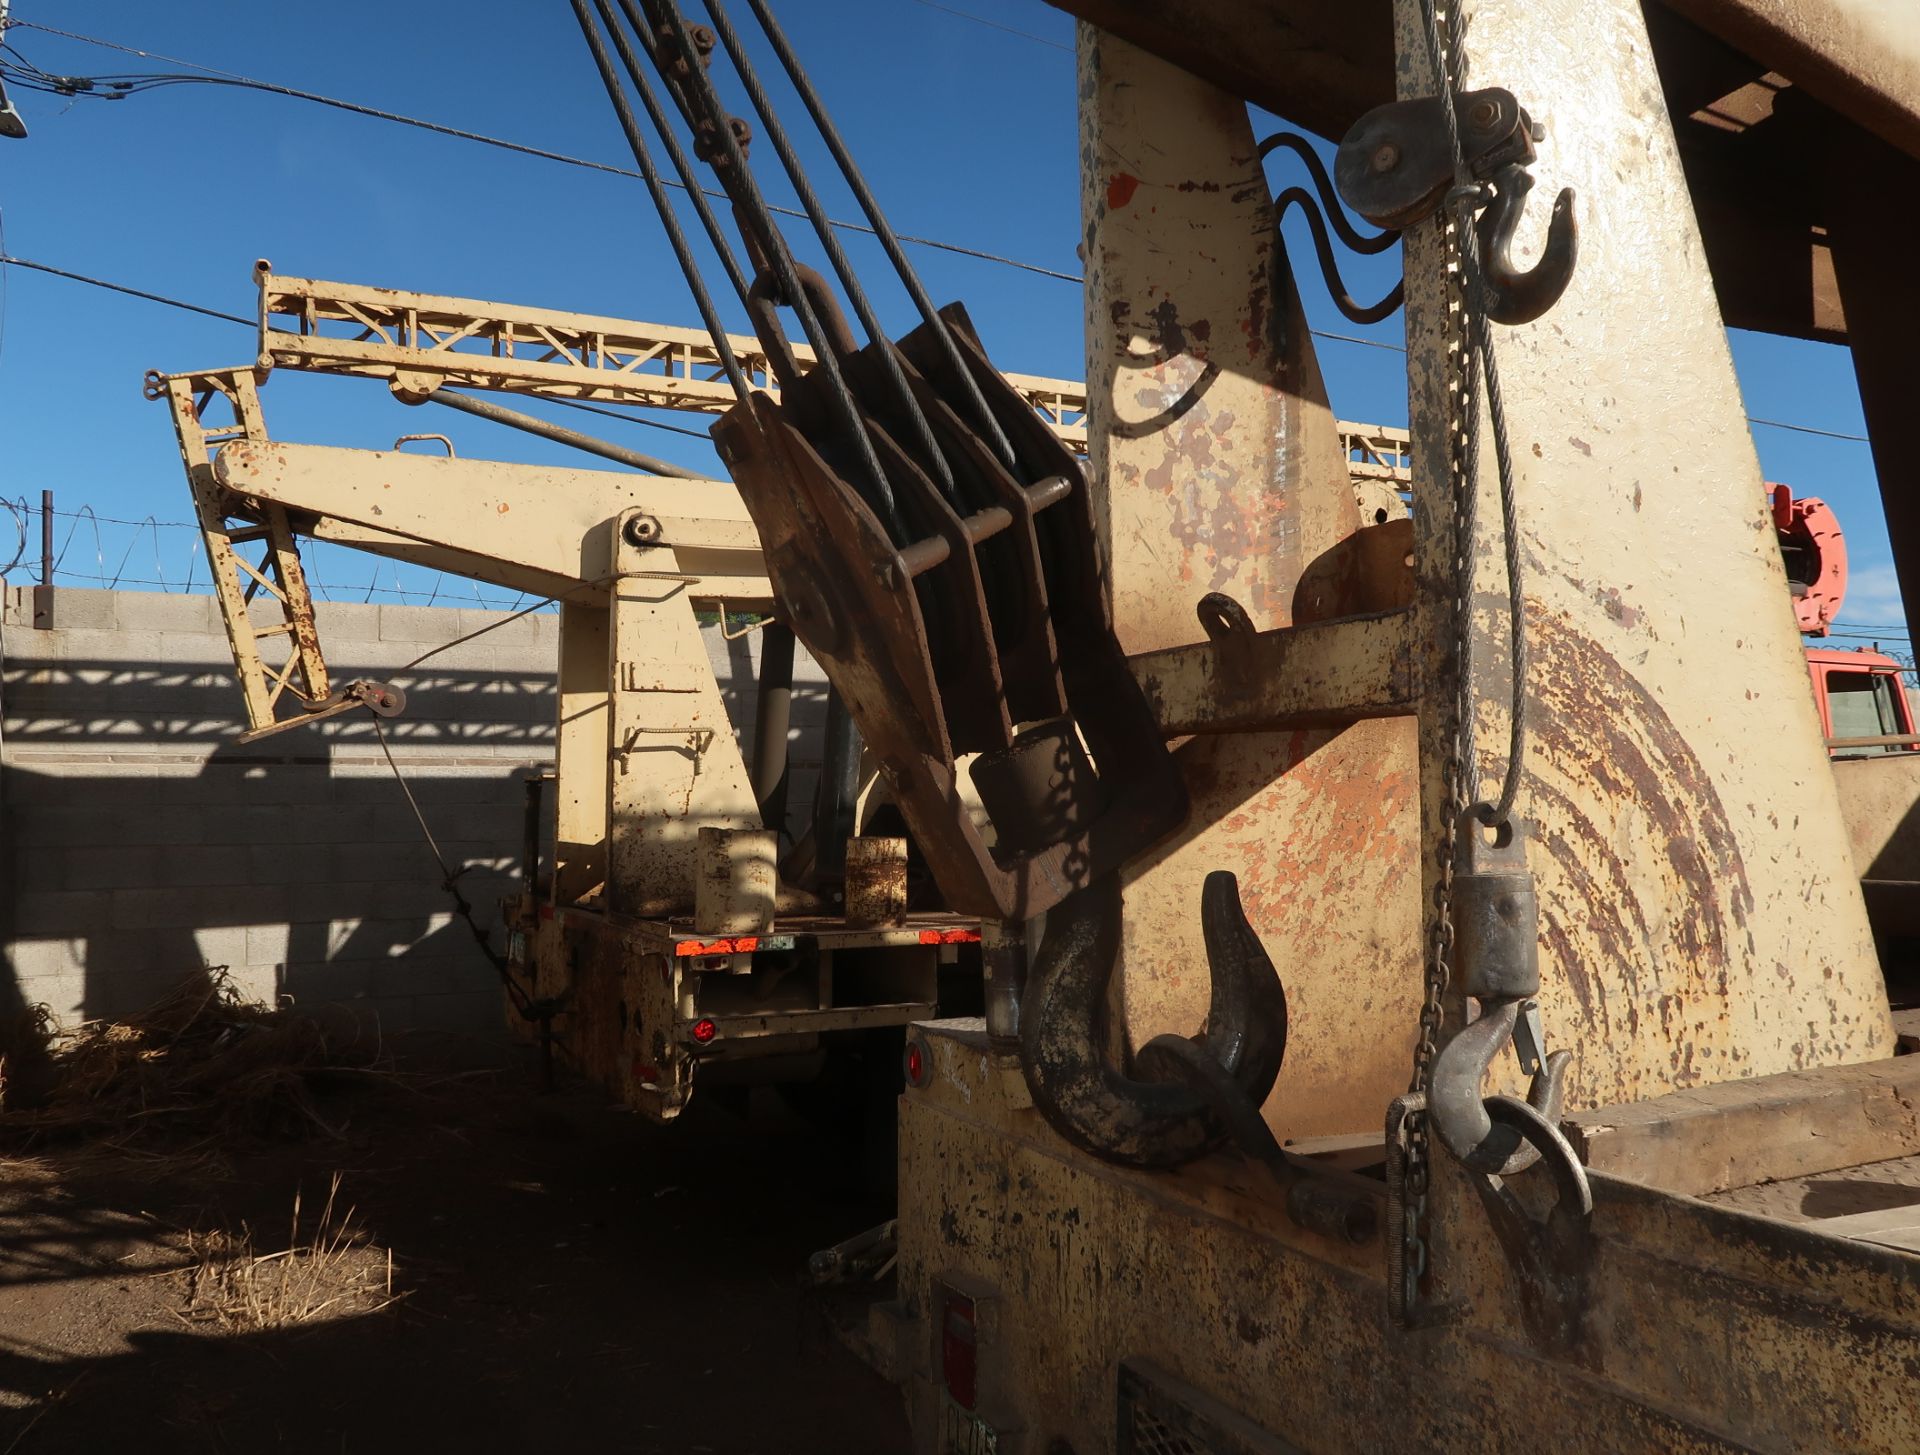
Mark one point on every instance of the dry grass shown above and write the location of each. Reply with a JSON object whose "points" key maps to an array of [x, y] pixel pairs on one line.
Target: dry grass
{"points": [[335, 1273], [202, 1064]]}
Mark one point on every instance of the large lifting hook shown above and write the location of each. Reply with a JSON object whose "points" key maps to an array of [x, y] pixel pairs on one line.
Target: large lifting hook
{"points": [[1064, 1026], [1395, 167]]}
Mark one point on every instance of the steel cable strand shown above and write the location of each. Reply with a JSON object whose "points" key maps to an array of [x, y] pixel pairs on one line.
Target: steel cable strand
{"points": [[663, 128], [676, 235], [705, 109], [884, 350], [883, 230]]}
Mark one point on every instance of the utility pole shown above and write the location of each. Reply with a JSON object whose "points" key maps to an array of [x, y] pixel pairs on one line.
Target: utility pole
{"points": [[10, 122]]}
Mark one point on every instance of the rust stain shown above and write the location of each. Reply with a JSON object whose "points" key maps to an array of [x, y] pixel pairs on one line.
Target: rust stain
{"points": [[1615, 768]]}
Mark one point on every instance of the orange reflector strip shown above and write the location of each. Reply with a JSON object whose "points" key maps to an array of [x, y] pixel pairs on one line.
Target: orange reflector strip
{"points": [[743, 945], [949, 937]]}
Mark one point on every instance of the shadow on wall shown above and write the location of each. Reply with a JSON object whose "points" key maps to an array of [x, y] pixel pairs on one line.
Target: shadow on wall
{"points": [[142, 843]]}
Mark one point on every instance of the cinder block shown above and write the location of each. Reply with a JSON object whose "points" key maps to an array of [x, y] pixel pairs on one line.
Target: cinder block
{"points": [[307, 982], [206, 655], [224, 945], [111, 866], [324, 902], [418, 624], [186, 908], [266, 944], [289, 863], [207, 864], [74, 606], [347, 621], [101, 647], [411, 902], [31, 959], [67, 913], [64, 995], [164, 611], [293, 787], [77, 785]]}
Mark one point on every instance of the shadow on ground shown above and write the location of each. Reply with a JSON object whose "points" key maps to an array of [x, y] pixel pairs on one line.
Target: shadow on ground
{"points": [[570, 1278]]}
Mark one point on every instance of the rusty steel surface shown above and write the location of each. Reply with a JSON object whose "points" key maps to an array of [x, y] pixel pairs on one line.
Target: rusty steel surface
{"points": [[876, 882], [1699, 918], [277, 693], [1219, 468], [1701, 1329], [1319, 675]]}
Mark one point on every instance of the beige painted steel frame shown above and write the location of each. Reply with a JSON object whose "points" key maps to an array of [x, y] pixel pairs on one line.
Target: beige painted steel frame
{"points": [[420, 341]]}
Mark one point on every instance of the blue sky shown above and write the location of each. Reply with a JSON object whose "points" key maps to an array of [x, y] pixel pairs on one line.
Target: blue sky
{"points": [[965, 130]]}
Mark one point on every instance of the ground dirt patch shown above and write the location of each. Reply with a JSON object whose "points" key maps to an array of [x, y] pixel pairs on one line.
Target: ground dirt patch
{"points": [[564, 1276]]}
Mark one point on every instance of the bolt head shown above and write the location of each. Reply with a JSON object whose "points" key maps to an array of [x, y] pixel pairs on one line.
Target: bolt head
{"points": [[1385, 157], [1483, 114]]}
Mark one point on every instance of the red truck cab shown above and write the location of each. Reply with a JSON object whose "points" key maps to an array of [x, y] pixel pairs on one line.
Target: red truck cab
{"points": [[1861, 698]]}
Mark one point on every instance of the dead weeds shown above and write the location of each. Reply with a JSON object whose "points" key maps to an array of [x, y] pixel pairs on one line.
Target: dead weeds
{"points": [[337, 1272], [202, 1065]]}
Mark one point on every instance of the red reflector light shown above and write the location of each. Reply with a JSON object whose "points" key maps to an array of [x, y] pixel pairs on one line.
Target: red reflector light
{"points": [[949, 937], [959, 1350], [915, 1064], [704, 1030]]}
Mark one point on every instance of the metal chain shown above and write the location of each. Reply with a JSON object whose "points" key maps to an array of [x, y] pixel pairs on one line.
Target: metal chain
{"points": [[1469, 355]]}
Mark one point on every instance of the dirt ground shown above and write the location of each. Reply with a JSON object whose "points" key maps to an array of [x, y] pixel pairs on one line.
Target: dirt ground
{"points": [[565, 1277]]}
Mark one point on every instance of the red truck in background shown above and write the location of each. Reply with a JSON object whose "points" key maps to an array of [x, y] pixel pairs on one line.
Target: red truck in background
{"points": [[1867, 718], [1864, 710]]}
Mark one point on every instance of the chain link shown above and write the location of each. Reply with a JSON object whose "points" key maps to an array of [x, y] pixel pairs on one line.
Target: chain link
{"points": [[1459, 768]]}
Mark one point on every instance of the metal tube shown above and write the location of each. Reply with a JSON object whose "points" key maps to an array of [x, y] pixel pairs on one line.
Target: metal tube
{"points": [[560, 434], [46, 538], [834, 801], [772, 718], [530, 857]]}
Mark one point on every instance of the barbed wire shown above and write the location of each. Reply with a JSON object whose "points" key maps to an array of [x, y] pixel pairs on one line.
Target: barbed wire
{"points": [[334, 573]]}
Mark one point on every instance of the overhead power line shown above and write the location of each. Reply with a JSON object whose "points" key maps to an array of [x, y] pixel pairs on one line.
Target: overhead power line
{"points": [[104, 87], [7, 260], [215, 76], [995, 25]]}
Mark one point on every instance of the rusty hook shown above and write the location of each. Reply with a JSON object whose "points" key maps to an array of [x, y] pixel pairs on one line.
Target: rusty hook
{"points": [[1482, 1142], [1516, 296], [1103, 1109]]}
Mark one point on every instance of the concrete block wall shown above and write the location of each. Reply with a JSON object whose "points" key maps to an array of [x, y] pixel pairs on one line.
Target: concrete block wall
{"points": [[141, 843]]}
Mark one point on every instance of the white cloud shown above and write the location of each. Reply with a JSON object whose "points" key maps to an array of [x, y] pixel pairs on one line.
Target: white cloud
{"points": [[1873, 598]]}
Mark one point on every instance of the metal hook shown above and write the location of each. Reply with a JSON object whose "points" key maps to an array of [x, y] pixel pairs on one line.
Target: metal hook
{"points": [[1514, 296], [1462, 1116], [1063, 1027]]}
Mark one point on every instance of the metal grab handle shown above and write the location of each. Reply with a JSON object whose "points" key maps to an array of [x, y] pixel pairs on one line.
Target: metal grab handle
{"points": [[1063, 1029], [1515, 295], [1461, 1115]]}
